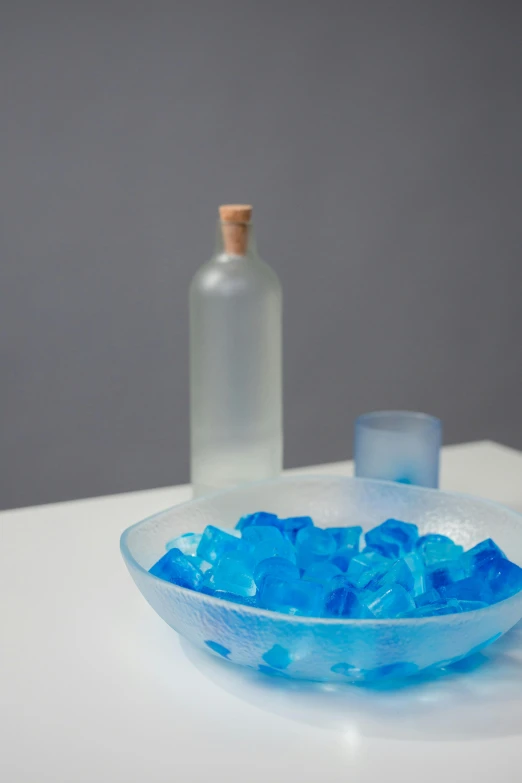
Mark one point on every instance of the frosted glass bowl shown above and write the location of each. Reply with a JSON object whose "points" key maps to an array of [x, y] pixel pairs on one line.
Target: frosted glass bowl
{"points": [[327, 649]]}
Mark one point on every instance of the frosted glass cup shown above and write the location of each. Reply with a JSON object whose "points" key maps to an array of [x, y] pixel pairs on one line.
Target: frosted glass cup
{"points": [[398, 446]]}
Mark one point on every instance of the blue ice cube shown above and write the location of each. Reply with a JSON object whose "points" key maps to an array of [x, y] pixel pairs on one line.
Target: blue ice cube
{"points": [[187, 543], [266, 541], [291, 596], [215, 543], [275, 566], [322, 572], [232, 574], [427, 598], [471, 588], [342, 600], [471, 606], [388, 602], [435, 609], [365, 567], [342, 557], [260, 518], [395, 573], [177, 568], [292, 526], [313, 545], [435, 548], [482, 554], [444, 573], [393, 538], [347, 537], [418, 570], [504, 578]]}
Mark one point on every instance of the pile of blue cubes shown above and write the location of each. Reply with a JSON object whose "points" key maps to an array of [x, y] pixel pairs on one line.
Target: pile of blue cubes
{"points": [[292, 566]]}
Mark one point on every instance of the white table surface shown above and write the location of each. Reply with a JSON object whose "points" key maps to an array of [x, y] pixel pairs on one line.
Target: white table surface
{"points": [[95, 687]]}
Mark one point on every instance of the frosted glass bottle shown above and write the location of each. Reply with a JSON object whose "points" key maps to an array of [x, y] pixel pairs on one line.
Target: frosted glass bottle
{"points": [[235, 362]]}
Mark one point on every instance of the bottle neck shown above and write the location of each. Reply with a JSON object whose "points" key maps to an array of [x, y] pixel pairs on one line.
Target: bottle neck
{"points": [[235, 240]]}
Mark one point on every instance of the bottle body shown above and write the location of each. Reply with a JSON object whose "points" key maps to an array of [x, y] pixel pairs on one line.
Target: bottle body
{"points": [[235, 372]]}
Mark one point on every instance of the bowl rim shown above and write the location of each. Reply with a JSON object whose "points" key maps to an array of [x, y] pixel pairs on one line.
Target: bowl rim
{"points": [[301, 619]]}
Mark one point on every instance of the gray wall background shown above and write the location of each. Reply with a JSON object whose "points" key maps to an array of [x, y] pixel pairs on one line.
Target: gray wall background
{"points": [[380, 143]]}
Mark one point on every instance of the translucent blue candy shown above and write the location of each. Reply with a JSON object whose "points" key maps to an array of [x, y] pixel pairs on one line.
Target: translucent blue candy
{"points": [[342, 601], [427, 598], [393, 538], [232, 574], [472, 588], [260, 518], [322, 572], [471, 606], [187, 543], [481, 554], [395, 573], [342, 557], [215, 543], [418, 570], [347, 537], [435, 609], [388, 602], [292, 526], [266, 541], [177, 568], [365, 567], [444, 573], [504, 578], [312, 545], [275, 566], [435, 548], [291, 596]]}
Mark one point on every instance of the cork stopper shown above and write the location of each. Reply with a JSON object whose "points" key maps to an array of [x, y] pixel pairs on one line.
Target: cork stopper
{"points": [[235, 219]]}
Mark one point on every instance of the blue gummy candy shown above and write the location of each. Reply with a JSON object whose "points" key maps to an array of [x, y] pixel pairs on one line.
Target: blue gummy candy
{"points": [[444, 573], [504, 578], [322, 572], [215, 543], [260, 533], [265, 541], [435, 548], [365, 567], [291, 596], [292, 526], [471, 606], [393, 538], [260, 518], [427, 598], [482, 554], [347, 537], [418, 570], [342, 601], [396, 573], [388, 602], [232, 574], [177, 568], [187, 543], [435, 609], [312, 545], [342, 558], [275, 566], [472, 588]]}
